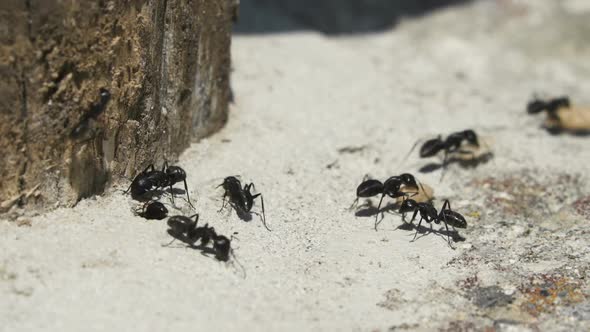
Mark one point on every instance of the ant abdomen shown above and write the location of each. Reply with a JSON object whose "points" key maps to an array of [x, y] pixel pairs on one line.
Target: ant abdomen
{"points": [[431, 147], [453, 218], [369, 188]]}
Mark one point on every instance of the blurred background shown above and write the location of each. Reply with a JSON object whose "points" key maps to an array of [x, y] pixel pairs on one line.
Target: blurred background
{"points": [[331, 16]]}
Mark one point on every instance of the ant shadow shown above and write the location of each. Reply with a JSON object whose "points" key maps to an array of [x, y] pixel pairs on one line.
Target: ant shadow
{"points": [[152, 195], [190, 243], [241, 213], [462, 162], [175, 191], [367, 209], [423, 231], [556, 131], [332, 17]]}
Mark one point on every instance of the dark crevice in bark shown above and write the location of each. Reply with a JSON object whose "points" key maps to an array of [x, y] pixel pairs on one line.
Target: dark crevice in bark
{"points": [[25, 133], [29, 20], [159, 56]]}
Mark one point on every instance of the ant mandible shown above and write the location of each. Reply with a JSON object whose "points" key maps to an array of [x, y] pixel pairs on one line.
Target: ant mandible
{"points": [[151, 179], [450, 144], [241, 199], [391, 187], [153, 210], [429, 213], [185, 229]]}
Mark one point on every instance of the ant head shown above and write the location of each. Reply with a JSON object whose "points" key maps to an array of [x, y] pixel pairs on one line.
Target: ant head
{"points": [[229, 182], [408, 205], [392, 185], [409, 180], [536, 106], [471, 137], [175, 173]]}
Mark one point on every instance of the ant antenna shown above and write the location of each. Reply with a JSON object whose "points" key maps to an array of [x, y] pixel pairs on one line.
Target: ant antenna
{"points": [[411, 150], [263, 217], [235, 259]]}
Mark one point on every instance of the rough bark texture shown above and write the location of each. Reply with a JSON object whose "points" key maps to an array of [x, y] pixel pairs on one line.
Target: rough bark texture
{"points": [[165, 62]]}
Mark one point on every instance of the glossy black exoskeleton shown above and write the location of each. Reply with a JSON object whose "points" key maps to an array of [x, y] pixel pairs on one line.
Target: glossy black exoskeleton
{"points": [[429, 213], [391, 187], [152, 179], [551, 106], [153, 210], [450, 144], [95, 110], [241, 199]]}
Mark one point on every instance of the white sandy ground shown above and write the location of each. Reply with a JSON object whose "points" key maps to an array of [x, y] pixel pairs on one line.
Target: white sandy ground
{"points": [[299, 98]]}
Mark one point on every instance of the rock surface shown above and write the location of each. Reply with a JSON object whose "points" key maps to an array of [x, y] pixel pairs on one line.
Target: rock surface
{"points": [[313, 115], [165, 63]]}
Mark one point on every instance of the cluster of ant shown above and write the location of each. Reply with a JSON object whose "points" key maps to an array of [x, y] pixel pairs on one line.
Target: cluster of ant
{"points": [[415, 198], [151, 181], [560, 116]]}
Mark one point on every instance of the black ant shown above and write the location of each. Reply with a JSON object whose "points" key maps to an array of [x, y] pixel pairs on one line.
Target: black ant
{"points": [[551, 106], [153, 210], [429, 213], [95, 110], [391, 187], [186, 230], [241, 199], [151, 179], [450, 144]]}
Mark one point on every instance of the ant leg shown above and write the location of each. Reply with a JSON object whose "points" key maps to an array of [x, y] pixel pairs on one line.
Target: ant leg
{"points": [[172, 195], [250, 185], [447, 227], [414, 216], [187, 196], [196, 215], [443, 217], [169, 243], [223, 203], [126, 191], [164, 165], [446, 204], [378, 210], [263, 215], [354, 203], [417, 229], [409, 153]]}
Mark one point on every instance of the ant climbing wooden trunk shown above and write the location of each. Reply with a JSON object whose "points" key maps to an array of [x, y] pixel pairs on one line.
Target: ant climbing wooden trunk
{"points": [[86, 91]]}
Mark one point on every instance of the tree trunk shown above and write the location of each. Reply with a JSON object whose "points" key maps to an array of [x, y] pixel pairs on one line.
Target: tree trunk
{"points": [[164, 63]]}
